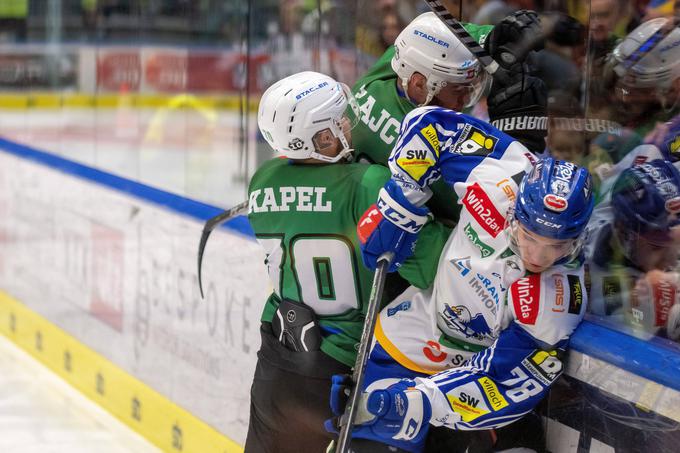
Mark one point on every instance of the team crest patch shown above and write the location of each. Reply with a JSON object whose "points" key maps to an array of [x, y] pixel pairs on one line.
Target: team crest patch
{"points": [[474, 142]]}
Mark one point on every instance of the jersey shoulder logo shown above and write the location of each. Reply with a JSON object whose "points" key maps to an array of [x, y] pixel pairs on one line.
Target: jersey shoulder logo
{"points": [[575, 294], [473, 142], [416, 158], [430, 135], [526, 297], [543, 365], [483, 210]]}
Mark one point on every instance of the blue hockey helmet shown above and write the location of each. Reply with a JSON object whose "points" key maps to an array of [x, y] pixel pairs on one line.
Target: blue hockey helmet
{"points": [[555, 199], [646, 198]]}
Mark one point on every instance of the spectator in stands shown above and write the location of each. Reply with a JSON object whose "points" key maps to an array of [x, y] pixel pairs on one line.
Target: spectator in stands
{"points": [[390, 27]]}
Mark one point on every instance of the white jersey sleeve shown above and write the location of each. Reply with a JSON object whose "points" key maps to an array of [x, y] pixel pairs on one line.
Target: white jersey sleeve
{"points": [[439, 143]]}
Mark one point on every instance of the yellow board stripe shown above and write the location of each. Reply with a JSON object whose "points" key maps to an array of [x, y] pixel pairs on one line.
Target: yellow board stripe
{"points": [[142, 408], [38, 100]]}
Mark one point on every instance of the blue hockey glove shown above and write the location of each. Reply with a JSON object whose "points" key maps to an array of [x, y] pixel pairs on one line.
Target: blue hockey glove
{"points": [[390, 225], [398, 415]]}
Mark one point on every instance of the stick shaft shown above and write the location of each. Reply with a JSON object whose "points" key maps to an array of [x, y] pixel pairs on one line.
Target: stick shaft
{"points": [[209, 226], [348, 417]]}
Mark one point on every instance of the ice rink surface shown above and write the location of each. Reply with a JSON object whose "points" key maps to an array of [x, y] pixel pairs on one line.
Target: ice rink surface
{"points": [[41, 413]]}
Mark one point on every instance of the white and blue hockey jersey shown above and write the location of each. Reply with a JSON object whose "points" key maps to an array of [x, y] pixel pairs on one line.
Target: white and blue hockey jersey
{"points": [[484, 341]]}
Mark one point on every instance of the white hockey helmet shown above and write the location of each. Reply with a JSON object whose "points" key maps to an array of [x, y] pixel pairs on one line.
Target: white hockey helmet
{"points": [[659, 67], [299, 109], [427, 46]]}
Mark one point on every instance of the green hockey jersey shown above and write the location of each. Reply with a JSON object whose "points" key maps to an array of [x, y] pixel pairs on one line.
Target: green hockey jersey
{"points": [[382, 108], [305, 218]]}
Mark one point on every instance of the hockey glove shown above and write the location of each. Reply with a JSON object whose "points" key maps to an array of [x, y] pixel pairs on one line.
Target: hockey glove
{"points": [[565, 30], [390, 225], [514, 37], [517, 105], [397, 413]]}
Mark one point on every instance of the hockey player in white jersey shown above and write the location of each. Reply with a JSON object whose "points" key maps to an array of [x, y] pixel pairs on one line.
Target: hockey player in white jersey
{"points": [[480, 348]]}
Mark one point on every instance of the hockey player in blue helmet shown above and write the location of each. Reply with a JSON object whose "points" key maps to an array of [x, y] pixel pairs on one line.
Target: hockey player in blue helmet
{"points": [[482, 346], [551, 211], [636, 238]]}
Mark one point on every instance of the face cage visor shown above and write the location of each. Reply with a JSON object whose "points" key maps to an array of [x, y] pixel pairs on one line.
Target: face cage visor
{"points": [[340, 128], [470, 90], [564, 250]]}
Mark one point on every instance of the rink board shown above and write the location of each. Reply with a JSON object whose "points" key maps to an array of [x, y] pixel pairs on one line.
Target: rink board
{"points": [[113, 272], [98, 280]]}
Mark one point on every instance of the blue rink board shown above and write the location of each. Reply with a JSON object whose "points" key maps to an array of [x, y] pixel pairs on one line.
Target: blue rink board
{"points": [[650, 360]]}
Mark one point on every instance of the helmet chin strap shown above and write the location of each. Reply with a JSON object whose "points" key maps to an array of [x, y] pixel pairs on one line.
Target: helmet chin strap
{"points": [[346, 152]]}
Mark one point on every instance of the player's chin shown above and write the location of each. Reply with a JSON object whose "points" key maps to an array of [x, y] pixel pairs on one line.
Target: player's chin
{"points": [[456, 104], [536, 268]]}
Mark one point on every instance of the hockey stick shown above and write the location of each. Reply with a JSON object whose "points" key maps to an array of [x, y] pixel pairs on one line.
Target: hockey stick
{"points": [[210, 225], [462, 34], [509, 56], [347, 419]]}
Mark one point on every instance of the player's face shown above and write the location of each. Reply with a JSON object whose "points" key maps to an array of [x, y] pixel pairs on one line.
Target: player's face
{"points": [[539, 253], [328, 144], [650, 253], [454, 96], [566, 145], [603, 17], [634, 101]]}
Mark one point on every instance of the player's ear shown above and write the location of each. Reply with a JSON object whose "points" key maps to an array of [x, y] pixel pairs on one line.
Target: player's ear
{"points": [[417, 87]]}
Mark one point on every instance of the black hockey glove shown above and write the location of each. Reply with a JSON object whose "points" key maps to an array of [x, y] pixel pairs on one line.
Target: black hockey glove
{"points": [[517, 105], [564, 30], [514, 37]]}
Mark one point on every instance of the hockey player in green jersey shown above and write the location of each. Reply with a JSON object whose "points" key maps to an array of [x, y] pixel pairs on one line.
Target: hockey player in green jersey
{"points": [[304, 211], [429, 65]]}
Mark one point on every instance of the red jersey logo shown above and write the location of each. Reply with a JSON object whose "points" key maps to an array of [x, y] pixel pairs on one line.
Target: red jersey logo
{"points": [[664, 298], [483, 210], [368, 222], [429, 351], [526, 294], [673, 205]]}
